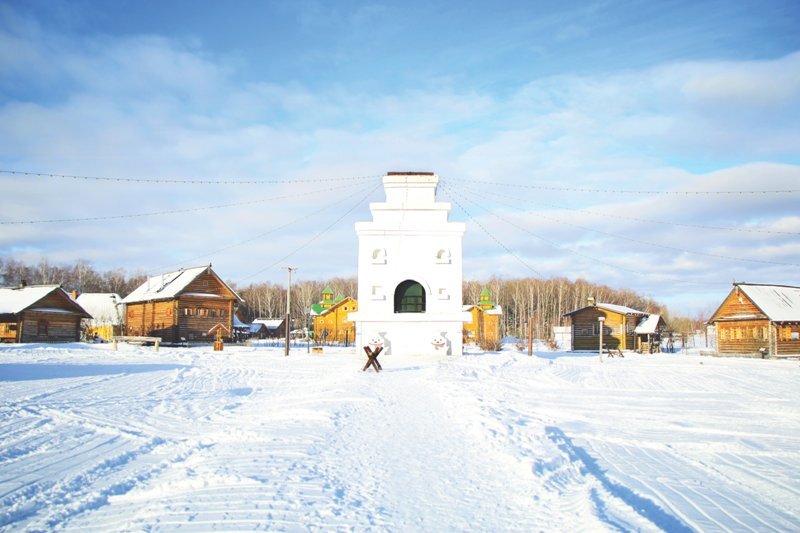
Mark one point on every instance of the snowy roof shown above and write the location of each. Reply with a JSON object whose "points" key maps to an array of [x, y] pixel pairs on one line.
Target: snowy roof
{"points": [[103, 306], [270, 323], [14, 300], [648, 325], [238, 323], [781, 303], [620, 309], [17, 299], [496, 310], [170, 285]]}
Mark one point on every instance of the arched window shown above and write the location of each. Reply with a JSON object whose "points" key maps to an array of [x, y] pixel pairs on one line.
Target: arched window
{"points": [[409, 297], [378, 256]]}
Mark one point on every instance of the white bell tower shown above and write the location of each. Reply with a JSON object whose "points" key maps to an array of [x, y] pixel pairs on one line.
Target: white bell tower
{"points": [[410, 271]]}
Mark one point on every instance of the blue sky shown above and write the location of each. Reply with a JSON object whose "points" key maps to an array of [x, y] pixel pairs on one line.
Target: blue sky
{"points": [[499, 99]]}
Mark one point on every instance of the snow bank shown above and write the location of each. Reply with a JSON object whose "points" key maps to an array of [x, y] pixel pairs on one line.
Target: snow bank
{"points": [[246, 439]]}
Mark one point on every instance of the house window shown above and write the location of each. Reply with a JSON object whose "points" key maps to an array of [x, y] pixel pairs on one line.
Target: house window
{"points": [[202, 312], [223, 313], [41, 328], [409, 297]]}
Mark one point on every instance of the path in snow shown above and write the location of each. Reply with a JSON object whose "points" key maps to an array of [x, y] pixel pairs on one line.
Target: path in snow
{"points": [[191, 439]]}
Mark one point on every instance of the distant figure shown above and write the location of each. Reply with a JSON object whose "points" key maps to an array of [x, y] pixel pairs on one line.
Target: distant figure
{"points": [[670, 344]]}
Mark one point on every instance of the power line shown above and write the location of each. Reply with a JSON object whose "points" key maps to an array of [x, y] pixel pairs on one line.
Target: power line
{"points": [[623, 191], [667, 247], [189, 181], [260, 235], [315, 237], [173, 211], [635, 219], [585, 256], [491, 236]]}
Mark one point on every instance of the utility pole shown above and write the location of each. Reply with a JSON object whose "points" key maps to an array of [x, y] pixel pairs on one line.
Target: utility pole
{"points": [[288, 308], [601, 319]]}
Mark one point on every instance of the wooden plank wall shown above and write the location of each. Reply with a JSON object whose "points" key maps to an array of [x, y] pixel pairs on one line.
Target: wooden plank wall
{"points": [[154, 319], [738, 304], [742, 336], [197, 315], [61, 327], [785, 344]]}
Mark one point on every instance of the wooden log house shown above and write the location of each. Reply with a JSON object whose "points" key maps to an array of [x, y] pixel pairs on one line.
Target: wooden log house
{"points": [[181, 306], [756, 319], [619, 326], [39, 313], [330, 317]]}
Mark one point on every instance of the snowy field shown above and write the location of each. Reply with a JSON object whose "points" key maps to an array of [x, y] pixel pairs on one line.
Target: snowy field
{"points": [[246, 439]]}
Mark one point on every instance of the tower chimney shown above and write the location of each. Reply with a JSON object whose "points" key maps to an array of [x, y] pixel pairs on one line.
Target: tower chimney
{"points": [[590, 301]]}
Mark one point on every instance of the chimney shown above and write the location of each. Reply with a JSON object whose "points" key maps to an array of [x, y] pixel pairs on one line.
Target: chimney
{"points": [[590, 301], [74, 295], [23, 283]]}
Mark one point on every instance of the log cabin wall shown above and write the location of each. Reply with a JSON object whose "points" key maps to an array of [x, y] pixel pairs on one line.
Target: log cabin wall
{"points": [[152, 319], [198, 314], [738, 304], [742, 336], [787, 338], [41, 326]]}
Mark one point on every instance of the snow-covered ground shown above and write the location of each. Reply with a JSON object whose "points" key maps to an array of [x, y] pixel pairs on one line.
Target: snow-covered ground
{"points": [[247, 439]]}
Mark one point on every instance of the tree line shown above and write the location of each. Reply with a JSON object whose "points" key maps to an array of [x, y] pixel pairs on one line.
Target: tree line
{"points": [[541, 303]]}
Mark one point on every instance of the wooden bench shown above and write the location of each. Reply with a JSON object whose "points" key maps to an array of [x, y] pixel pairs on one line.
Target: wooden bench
{"points": [[133, 338]]}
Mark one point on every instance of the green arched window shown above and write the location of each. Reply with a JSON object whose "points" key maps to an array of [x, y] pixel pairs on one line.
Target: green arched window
{"points": [[409, 297]]}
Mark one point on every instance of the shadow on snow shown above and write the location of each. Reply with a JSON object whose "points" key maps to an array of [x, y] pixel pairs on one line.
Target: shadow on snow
{"points": [[34, 371]]}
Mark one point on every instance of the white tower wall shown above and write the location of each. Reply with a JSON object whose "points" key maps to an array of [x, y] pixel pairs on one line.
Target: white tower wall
{"points": [[409, 238]]}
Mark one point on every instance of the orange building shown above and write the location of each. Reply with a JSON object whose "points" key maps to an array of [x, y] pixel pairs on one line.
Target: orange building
{"points": [[485, 325], [330, 318]]}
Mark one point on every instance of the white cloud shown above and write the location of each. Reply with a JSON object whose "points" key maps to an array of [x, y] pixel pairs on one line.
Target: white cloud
{"points": [[146, 106]]}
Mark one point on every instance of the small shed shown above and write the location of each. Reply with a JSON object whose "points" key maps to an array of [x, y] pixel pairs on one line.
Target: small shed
{"points": [[485, 323], [759, 319], [39, 313], [181, 305], [108, 314], [619, 326], [264, 328]]}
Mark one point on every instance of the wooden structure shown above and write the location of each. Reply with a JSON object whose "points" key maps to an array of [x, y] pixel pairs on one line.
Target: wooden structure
{"points": [[108, 315], [219, 329], [756, 319], [485, 324], [619, 326], [132, 338], [181, 306], [330, 318], [39, 313], [372, 358]]}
